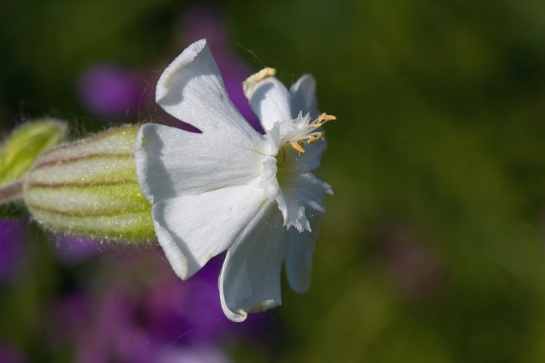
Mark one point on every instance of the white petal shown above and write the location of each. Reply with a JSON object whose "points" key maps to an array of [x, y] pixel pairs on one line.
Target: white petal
{"points": [[310, 159], [307, 189], [193, 229], [300, 191], [250, 277], [171, 162], [269, 98], [192, 90], [303, 97], [292, 210], [299, 260], [269, 182]]}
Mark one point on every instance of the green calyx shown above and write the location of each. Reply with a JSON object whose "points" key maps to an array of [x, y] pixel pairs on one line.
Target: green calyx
{"points": [[89, 188]]}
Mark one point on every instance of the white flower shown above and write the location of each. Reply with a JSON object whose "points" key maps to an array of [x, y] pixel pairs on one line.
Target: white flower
{"points": [[231, 188]]}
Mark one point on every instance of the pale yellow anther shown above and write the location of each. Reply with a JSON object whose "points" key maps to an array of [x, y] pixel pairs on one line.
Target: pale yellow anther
{"points": [[255, 78], [316, 138], [326, 117], [321, 120], [297, 147]]}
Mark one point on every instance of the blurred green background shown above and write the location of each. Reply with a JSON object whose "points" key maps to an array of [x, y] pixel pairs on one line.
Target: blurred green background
{"points": [[431, 249]]}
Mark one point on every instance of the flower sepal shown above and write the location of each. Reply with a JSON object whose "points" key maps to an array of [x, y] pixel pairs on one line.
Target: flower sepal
{"points": [[89, 188]]}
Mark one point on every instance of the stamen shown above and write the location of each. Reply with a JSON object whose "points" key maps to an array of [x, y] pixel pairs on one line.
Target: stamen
{"points": [[326, 117], [311, 137], [297, 147], [321, 120], [316, 139]]}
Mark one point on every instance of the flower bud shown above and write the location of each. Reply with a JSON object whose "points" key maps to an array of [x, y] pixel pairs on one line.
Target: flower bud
{"points": [[20, 150], [89, 188]]}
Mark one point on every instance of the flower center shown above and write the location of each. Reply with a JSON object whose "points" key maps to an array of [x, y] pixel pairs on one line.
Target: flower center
{"points": [[287, 178], [284, 165], [308, 134], [286, 159]]}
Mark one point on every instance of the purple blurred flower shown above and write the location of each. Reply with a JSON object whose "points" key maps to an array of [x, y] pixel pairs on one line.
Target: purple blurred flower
{"points": [[193, 307], [197, 354], [110, 90], [12, 236], [9, 354], [76, 249], [156, 318]]}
